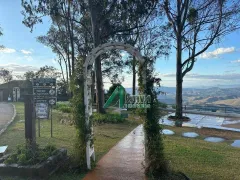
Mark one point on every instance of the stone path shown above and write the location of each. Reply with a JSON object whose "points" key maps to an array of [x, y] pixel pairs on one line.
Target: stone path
{"points": [[6, 115], [123, 161]]}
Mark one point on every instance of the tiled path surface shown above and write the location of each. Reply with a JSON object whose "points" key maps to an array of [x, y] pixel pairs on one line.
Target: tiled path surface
{"points": [[200, 121], [123, 161], [6, 114]]}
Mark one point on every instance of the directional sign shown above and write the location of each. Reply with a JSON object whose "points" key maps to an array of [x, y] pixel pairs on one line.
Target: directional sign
{"points": [[44, 92], [48, 100], [52, 101], [41, 110], [44, 82]]}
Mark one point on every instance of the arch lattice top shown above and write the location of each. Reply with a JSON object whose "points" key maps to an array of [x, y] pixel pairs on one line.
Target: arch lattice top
{"points": [[109, 46]]}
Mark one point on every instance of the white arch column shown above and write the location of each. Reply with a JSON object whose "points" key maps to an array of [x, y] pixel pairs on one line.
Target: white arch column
{"points": [[88, 68]]}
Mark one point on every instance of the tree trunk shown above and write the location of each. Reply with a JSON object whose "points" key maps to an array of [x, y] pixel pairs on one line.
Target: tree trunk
{"points": [[98, 69], [99, 86], [179, 78], [134, 76]]}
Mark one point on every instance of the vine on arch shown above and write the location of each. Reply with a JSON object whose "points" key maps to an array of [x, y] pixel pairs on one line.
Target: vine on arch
{"points": [[156, 164], [82, 108], [78, 111]]}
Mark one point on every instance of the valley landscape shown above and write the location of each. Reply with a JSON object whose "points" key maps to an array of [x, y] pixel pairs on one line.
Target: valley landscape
{"points": [[204, 96]]}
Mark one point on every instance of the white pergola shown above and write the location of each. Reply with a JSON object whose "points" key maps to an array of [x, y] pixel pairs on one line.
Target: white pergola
{"points": [[88, 68]]}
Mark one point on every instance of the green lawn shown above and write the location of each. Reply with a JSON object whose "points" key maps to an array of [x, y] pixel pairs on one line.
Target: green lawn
{"points": [[198, 159], [202, 160], [106, 136]]}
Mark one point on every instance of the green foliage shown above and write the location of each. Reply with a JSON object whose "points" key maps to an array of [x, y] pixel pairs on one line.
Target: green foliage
{"points": [[29, 75], [192, 15], [6, 75], [156, 165], [47, 72], [107, 118], [78, 111], [63, 107], [162, 105], [111, 89], [174, 106], [25, 155]]}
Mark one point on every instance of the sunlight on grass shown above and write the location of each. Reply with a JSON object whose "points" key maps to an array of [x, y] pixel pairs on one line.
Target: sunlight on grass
{"points": [[106, 136], [202, 160]]}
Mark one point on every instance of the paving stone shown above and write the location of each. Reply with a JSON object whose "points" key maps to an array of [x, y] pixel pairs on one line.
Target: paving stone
{"points": [[190, 134], [167, 132], [3, 149], [236, 143], [214, 139]]}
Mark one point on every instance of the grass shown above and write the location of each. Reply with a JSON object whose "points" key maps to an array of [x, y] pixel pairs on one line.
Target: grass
{"points": [[202, 160], [198, 159], [106, 136]]}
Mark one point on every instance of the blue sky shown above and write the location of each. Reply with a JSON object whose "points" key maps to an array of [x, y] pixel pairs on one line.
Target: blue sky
{"points": [[22, 50], [220, 65]]}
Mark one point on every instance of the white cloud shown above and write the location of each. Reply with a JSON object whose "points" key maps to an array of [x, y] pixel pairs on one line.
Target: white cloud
{"points": [[28, 58], [217, 52], [26, 52], [236, 61], [18, 69], [54, 61], [7, 50]]}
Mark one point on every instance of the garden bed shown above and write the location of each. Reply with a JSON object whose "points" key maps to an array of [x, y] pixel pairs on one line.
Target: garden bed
{"points": [[42, 170], [174, 118]]}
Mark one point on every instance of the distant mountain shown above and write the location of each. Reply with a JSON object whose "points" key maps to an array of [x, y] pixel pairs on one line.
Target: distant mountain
{"points": [[201, 95]]}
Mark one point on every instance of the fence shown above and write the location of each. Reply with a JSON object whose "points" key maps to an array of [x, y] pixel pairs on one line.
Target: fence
{"points": [[211, 108]]}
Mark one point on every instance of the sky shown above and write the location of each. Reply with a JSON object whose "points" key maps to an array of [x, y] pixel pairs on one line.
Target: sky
{"points": [[218, 66]]}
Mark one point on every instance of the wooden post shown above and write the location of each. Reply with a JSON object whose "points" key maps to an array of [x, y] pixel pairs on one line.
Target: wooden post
{"points": [[51, 123], [30, 121], [38, 127]]}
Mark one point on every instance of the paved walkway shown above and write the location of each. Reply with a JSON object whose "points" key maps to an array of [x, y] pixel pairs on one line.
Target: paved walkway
{"points": [[124, 161], [6, 115]]}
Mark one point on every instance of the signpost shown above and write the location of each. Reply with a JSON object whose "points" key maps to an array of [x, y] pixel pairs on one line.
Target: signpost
{"points": [[45, 96], [30, 126]]}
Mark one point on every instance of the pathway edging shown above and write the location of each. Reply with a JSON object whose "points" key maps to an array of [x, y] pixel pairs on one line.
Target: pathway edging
{"points": [[13, 117]]}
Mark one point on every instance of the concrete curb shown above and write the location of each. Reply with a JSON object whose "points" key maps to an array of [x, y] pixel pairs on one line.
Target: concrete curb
{"points": [[10, 122]]}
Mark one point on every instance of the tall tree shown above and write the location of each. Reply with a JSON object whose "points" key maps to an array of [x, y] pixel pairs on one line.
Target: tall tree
{"points": [[57, 40], [112, 19], [47, 72], [29, 75], [6, 75], [196, 25], [109, 20]]}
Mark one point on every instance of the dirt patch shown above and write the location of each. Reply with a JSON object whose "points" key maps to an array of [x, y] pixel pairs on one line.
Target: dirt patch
{"points": [[237, 126], [174, 118], [230, 135]]}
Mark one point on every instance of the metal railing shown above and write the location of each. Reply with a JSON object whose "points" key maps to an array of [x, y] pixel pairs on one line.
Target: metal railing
{"points": [[211, 108]]}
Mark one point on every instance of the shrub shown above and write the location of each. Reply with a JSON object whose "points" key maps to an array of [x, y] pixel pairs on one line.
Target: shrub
{"points": [[107, 118], [24, 155], [63, 107], [162, 105]]}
